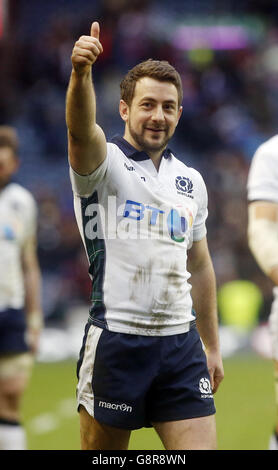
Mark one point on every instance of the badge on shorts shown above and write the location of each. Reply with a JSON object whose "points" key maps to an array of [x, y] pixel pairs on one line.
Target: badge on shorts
{"points": [[205, 388]]}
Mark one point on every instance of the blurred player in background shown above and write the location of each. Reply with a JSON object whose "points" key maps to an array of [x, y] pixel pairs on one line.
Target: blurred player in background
{"points": [[142, 361], [20, 308], [263, 235]]}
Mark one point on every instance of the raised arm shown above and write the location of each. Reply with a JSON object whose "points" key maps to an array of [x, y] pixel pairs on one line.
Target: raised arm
{"points": [[86, 140], [205, 304]]}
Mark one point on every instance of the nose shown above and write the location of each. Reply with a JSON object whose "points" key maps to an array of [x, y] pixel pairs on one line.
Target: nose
{"points": [[158, 114]]}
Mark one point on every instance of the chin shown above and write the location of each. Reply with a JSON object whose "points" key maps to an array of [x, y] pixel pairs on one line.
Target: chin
{"points": [[156, 141], [157, 145]]}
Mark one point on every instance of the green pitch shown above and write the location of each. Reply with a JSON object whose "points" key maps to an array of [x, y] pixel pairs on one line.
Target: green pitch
{"points": [[245, 407]]}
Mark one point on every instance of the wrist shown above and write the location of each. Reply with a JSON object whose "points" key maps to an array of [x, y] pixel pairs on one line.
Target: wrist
{"points": [[82, 72], [213, 350]]}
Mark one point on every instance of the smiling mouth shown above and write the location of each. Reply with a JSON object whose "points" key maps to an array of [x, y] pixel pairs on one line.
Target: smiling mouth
{"points": [[154, 130]]}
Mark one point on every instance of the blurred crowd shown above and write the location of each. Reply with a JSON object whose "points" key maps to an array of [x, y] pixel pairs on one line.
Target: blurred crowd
{"points": [[230, 107]]}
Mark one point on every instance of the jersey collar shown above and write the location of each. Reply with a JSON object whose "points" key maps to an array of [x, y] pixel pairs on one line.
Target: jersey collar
{"points": [[132, 152]]}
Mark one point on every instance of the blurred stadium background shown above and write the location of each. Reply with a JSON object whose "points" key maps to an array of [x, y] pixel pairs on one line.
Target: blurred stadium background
{"points": [[227, 54]]}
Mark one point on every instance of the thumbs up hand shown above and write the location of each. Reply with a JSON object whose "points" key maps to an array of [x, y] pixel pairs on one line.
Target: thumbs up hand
{"points": [[86, 50]]}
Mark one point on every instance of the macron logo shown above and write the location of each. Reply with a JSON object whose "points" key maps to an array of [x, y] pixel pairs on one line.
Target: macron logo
{"points": [[115, 406]]}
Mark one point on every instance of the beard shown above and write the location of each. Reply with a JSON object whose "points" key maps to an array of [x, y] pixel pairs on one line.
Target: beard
{"points": [[149, 145]]}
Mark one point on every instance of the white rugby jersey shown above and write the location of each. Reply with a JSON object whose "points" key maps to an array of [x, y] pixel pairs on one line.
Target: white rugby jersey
{"points": [[137, 225], [17, 224], [263, 175]]}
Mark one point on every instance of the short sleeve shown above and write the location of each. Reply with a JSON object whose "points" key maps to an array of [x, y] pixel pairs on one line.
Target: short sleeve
{"points": [[199, 226], [29, 211], [84, 185], [262, 181]]}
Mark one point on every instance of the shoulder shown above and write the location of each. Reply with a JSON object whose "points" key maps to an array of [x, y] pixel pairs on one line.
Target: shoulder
{"points": [[114, 155], [190, 182], [265, 161], [113, 149], [23, 196], [22, 191], [262, 183], [268, 150], [191, 173]]}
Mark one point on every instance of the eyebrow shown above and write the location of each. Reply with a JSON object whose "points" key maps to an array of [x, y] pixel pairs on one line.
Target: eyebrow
{"points": [[149, 98]]}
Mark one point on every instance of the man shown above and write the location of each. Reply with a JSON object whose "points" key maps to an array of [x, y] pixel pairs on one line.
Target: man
{"points": [[263, 235], [20, 309], [139, 209]]}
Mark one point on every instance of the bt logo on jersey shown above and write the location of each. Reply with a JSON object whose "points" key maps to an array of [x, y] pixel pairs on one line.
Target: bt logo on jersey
{"points": [[177, 224], [135, 220]]}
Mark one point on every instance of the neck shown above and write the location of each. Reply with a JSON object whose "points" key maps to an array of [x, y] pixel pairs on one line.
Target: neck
{"points": [[154, 155]]}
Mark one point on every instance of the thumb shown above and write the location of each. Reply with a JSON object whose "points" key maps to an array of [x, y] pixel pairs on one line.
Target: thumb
{"points": [[212, 383], [95, 30]]}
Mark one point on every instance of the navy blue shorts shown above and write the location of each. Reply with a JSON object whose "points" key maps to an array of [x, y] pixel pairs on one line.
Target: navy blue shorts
{"points": [[130, 381], [13, 331]]}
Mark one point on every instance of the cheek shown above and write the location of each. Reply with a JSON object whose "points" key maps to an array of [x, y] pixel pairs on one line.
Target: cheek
{"points": [[137, 122], [173, 124]]}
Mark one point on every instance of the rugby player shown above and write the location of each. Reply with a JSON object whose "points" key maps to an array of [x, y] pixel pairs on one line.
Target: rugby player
{"points": [[139, 210], [262, 188], [20, 308]]}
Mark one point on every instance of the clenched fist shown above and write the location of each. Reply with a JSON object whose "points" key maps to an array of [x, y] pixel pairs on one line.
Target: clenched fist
{"points": [[86, 50]]}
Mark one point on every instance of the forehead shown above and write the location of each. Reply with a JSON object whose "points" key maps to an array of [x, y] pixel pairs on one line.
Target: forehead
{"points": [[148, 87]]}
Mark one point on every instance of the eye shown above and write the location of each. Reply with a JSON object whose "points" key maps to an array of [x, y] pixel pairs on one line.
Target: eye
{"points": [[169, 107]]}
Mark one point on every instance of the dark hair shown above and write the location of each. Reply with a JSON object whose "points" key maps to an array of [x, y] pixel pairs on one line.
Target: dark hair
{"points": [[9, 138], [160, 70]]}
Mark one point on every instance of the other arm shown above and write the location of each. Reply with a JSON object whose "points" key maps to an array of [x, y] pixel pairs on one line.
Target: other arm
{"points": [[86, 140], [205, 304], [32, 284], [263, 236]]}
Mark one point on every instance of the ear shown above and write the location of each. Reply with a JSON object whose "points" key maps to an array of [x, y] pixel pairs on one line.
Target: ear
{"points": [[124, 110], [179, 115]]}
